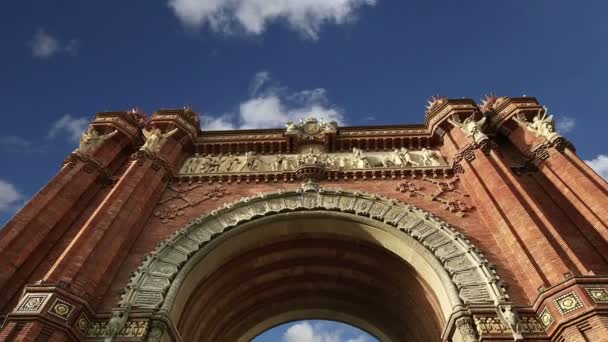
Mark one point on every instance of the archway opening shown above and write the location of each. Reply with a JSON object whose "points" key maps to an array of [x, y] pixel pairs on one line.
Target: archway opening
{"points": [[315, 331], [303, 265]]}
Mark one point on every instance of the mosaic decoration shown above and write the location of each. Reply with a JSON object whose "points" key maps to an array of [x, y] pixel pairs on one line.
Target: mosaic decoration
{"points": [[599, 295], [82, 323], [546, 318], [568, 303], [61, 309], [33, 302]]}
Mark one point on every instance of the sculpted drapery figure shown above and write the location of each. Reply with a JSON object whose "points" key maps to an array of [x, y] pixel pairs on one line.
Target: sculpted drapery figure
{"points": [[473, 129], [428, 157], [90, 140], [155, 138], [542, 124], [359, 160]]}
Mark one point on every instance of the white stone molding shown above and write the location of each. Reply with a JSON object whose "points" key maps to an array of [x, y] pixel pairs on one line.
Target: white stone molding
{"points": [[473, 279]]}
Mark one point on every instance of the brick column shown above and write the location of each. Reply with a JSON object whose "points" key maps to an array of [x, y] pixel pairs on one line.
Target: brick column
{"points": [[534, 257], [556, 159], [89, 263], [56, 206]]}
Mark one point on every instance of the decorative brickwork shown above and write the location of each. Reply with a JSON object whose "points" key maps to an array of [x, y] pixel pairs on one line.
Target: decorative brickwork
{"points": [[482, 224]]}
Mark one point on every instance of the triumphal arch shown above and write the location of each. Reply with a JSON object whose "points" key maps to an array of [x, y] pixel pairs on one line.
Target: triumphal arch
{"points": [[481, 224]]}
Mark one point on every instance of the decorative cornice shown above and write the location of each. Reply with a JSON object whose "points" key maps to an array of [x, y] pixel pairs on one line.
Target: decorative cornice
{"points": [[91, 165]]}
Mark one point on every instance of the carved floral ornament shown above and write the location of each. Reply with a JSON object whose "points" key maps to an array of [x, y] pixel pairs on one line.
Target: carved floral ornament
{"points": [[474, 280]]}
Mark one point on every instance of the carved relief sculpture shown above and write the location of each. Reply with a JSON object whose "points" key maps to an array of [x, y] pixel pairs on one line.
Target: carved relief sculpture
{"points": [[542, 125], [510, 319], [473, 129], [155, 139], [90, 140]]}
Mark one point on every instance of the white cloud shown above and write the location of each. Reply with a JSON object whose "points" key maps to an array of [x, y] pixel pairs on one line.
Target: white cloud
{"points": [[68, 126], [223, 122], [44, 45], [253, 16], [270, 105], [564, 124], [305, 332], [600, 165], [9, 196]]}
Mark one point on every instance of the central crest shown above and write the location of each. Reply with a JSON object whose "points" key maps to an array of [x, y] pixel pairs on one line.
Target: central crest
{"points": [[310, 128]]}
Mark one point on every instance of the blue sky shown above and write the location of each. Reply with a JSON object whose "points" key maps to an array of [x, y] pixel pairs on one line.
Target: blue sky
{"points": [[257, 63]]}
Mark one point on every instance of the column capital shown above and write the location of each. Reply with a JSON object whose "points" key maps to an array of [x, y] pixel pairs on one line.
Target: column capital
{"points": [[186, 120], [129, 123]]}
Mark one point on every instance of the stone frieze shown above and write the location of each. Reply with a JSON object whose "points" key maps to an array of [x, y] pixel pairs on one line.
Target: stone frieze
{"points": [[356, 160]]}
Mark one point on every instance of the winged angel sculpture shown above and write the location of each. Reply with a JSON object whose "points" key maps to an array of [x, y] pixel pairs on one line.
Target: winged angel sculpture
{"points": [[90, 140], [154, 139], [472, 128], [542, 124]]}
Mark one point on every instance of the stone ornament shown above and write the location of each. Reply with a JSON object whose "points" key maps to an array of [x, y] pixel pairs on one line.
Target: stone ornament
{"points": [[492, 325], [310, 128], [473, 129], [599, 295], [173, 206], [511, 319], [546, 318], [253, 162], [61, 309], [154, 139], [471, 274], [132, 329], [568, 302], [33, 303], [466, 327], [541, 124], [90, 140]]}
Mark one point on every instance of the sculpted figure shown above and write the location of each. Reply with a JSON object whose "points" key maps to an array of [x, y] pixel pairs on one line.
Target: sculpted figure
{"points": [[191, 165], [204, 164], [291, 128], [228, 163], [90, 139], [510, 319], [407, 158], [541, 125], [472, 128], [155, 139], [359, 160], [299, 160], [311, 157], [252, 161], [428, 157], [330, 161], [279, 163], [115, 324]]}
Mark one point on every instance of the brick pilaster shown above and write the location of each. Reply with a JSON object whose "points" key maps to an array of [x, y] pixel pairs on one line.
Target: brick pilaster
{"points": [[535, 258], [54, 208], [90, 261]]}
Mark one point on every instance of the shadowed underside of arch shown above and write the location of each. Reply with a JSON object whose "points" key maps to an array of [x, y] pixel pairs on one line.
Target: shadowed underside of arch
{"points": [[389, 268]]}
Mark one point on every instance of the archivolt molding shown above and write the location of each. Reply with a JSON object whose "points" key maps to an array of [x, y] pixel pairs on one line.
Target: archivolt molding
{"points": [[474, 279]]}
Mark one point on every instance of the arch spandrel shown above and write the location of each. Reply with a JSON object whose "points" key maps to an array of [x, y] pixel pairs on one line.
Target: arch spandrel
{"points": [[460, 276]]}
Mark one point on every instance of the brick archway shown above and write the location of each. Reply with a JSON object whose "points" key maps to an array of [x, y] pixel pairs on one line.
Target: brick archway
{"points": [[447, 264]]}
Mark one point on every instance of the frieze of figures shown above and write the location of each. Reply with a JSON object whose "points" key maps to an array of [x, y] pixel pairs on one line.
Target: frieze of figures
{"points": [[358, 159]]}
